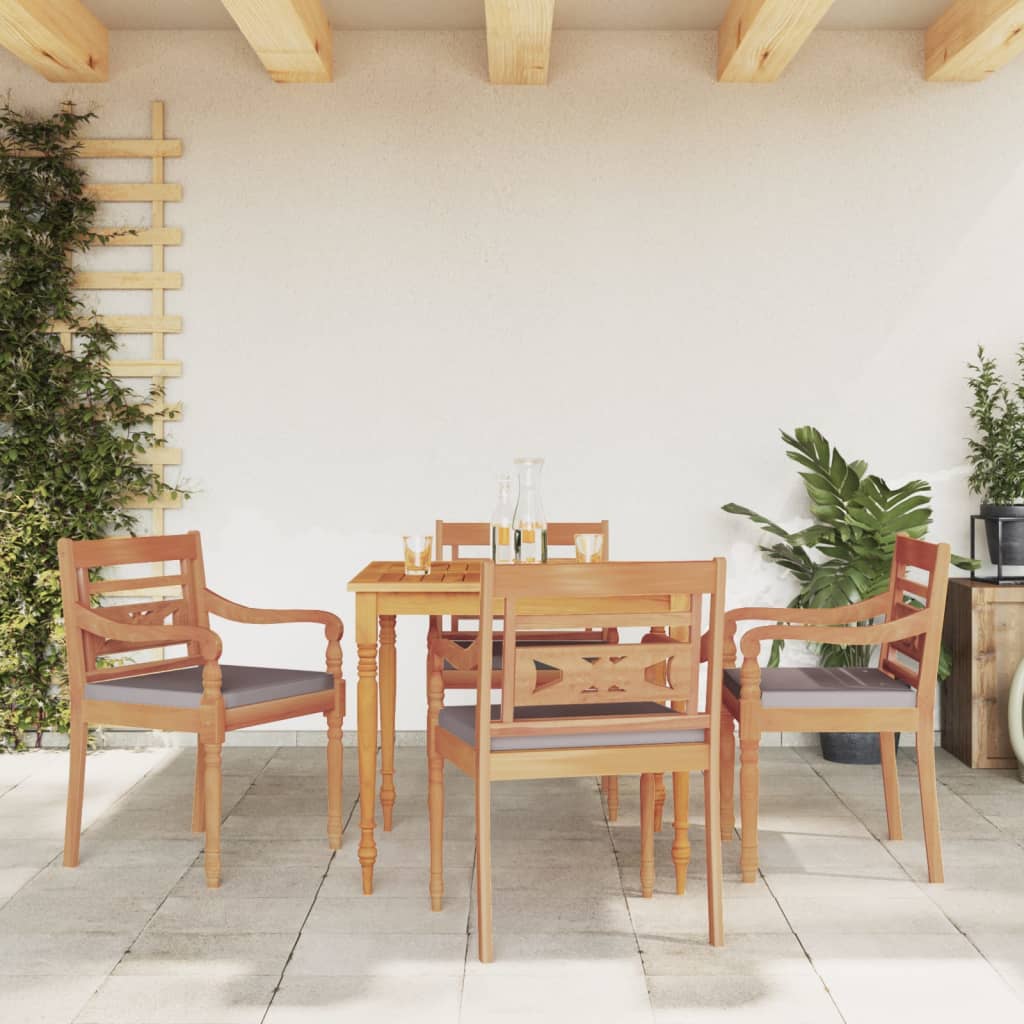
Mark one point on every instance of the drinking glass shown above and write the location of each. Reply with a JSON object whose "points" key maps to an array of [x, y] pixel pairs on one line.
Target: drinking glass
{"points": [[417, 554], [589, 547]]}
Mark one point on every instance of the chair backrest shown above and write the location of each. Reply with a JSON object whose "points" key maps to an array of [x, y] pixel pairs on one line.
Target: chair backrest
{"points": [[916, 660], [664, 669], [175, 595], [456, 536]]}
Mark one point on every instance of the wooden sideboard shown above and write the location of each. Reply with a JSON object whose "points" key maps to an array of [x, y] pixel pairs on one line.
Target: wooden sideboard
{"points": [[984, 632]]}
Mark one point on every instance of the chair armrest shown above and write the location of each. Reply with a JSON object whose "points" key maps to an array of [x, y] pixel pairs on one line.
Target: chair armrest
{"points": [[815, 616], [231, 610], [884, 632], [99, 625]]}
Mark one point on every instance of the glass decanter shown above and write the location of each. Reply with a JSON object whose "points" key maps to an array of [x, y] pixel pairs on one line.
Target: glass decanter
{"points": [[531, 528], [503, 544]]}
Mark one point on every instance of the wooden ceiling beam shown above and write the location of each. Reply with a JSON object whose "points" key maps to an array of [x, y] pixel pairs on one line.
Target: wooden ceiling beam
{"points": [[519, 40], [758, 38], [61, 39], [972, 39], [291, 37]]}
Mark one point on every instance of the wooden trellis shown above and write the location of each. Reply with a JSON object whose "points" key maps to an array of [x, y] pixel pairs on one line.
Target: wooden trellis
{"points": [[156, 236]]}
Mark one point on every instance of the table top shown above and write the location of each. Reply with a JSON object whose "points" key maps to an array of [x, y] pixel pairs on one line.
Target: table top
{"points": [[444, 577]]}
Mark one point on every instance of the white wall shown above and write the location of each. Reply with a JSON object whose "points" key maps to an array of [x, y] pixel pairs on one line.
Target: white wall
{"points": [[397, 282]]}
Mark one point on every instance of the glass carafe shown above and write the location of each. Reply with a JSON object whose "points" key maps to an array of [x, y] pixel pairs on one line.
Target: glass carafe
{"points": [[503, 544], [530, 524]]}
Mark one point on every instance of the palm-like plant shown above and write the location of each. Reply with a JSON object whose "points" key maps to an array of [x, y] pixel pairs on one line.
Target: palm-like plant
{"points": [[845, 556]]}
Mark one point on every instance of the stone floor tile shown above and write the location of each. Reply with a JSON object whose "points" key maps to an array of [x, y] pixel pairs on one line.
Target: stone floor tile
{"points": [[376, 1000], [567, 955], [89, 879], [372, 955], [688, 914], [524, 911], [1005, 952], [488, 996], [361, 915], [55, 953], [826, 855], [345, 879], [229, 999], [46, 999], [219, 910], [688, 955], [798, 997], [251, 880], [187, 954], [55, 913]]}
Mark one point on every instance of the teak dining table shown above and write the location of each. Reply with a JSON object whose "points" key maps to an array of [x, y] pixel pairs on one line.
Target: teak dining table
{"points": [[383, 592]]}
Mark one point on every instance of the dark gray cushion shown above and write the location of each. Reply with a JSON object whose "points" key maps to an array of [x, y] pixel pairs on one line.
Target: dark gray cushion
{"points": [[827, 688], [182, 688], [461, 722]]}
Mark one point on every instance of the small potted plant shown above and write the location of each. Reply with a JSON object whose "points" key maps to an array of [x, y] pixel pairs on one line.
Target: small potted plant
{"points": [[996, 455]]}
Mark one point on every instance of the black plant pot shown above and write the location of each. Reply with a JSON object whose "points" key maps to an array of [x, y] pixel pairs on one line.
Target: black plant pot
{"points": [[852, 747], [1013, 534]]}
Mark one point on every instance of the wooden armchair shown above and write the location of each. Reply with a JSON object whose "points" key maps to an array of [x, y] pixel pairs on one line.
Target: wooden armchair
{"points": [[192, 692], [572, 710], [898, 696], [459, 670]]}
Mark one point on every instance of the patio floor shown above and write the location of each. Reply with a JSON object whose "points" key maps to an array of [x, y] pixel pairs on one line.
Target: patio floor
{"points": [[840, 927]]}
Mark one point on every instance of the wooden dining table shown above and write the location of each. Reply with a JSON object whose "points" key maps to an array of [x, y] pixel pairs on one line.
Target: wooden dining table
{"points": [[383, 592]]}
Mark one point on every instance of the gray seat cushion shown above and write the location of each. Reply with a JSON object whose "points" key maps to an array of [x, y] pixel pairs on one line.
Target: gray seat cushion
{"points": [[182, 688], [827, 688], [461, 722]]}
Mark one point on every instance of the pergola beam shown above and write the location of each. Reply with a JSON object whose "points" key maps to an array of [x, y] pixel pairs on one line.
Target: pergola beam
{"points": [[291, 37], [61, 39], [974, 38], [519, 40], [758, 38]]}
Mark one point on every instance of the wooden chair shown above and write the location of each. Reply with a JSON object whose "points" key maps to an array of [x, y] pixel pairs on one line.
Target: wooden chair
{"points": [[571, 710], [899, 696], [189, 693], [561, 543]]}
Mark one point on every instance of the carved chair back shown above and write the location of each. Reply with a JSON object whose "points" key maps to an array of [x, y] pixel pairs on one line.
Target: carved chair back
{"points": [[662, 668], [174, 594]]}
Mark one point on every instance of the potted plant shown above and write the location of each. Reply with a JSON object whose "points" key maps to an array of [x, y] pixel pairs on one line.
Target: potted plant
{"points": [[845, 555], [997, 455]]}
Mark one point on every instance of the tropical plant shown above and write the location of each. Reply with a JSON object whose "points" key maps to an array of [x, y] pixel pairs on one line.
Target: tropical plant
{"points": [[996, 455], [70, 431], [845, 556]]}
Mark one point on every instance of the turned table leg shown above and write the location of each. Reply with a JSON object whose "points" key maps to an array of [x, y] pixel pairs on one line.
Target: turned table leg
{"points": [[387, 718], [366, 643]]}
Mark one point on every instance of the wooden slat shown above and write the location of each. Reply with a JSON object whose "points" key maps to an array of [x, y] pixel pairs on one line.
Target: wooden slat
{"points": [[519, 41], [291, 37], [145, 367], [137, 583], [114, 280], [973, 39], [90, 554], [62, 39], [133, 192], [758, 38], [99, 149], [119, 235], [134, 324], [163, 503], [159, 456]]}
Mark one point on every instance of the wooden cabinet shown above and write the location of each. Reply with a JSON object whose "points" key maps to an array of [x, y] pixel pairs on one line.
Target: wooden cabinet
{"points": [[984, 632]]}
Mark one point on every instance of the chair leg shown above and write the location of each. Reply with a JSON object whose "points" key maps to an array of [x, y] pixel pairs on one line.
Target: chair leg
{"points": [[212, 780], [681, 823], [727, 775], [334, 779], [647, 799], [891, 784], [613, 797], [929, 804], [484, 910], [435, 807], [79, 738], [713, 846], [748, 806], [659, 801], [198, 792]]}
